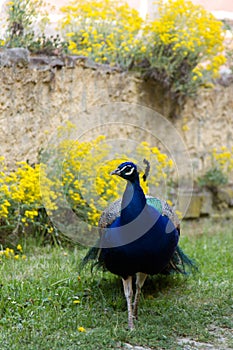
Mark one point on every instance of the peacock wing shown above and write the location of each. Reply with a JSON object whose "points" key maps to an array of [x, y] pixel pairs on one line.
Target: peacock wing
{"points": [[164, 208], [109, 215]]}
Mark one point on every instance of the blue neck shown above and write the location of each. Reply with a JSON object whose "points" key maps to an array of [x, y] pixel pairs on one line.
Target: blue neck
{"points": [[133, 202]]}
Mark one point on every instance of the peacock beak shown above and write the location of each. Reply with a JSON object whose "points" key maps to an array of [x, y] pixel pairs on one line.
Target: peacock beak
{"points": [[117, 171]]}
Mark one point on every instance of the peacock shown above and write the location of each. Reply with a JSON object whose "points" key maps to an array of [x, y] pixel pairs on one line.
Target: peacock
{"points": [[138, 236]]}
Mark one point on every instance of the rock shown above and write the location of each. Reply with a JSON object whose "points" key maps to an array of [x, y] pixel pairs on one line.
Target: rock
{"points": [[189, 344], [194, 208], [36, 61], [134, 347], [46, 61], [57, 62], [225, 195], [17, 56], [70, 61], [207, 203], [226, 76]]}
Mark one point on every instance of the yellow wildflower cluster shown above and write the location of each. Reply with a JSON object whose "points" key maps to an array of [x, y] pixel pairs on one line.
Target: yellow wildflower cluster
{"points": [[4, 208], [160, 162], [184, 43], [219, 171], [223, 159], [21, 185], [80, 174], [10, 253], [106, 31], [20, 195], [187, 27], [86, 181]]}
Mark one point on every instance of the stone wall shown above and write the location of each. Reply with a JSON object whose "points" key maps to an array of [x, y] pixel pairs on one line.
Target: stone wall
{"points": [[37, 94]]}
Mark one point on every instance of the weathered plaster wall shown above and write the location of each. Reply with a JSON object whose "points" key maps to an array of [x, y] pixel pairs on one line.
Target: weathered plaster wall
{"points": [[38, 95], [209, 119]]}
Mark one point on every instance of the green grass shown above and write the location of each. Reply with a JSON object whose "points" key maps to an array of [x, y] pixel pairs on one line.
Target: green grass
{"points": [[37, 294]]}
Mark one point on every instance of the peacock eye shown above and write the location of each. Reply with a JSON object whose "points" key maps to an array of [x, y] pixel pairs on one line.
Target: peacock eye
{"points": [[129, 170]]}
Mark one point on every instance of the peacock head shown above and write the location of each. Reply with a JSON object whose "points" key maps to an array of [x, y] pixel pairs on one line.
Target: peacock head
{"points": [[127, 171]]}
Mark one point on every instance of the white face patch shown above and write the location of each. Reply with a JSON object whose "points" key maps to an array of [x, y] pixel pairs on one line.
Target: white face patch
{"points": [[130, 172], [126, 166]]}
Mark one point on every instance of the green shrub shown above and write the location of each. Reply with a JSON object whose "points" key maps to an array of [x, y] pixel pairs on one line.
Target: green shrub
{"points": [[212, 179]]}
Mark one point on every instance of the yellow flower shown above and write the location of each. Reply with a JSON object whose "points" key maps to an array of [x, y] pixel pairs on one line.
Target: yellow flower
{"points": [[81, 329], [179, 214], [169, 203], [72, 45], [185, 127], [76, 301], [70, 34], [19, 248], [9, 253], [143, 49]]}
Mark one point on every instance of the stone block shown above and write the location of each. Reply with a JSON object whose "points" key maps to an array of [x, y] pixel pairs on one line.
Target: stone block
{"points": [[225, 195], [16, 56], [190, 204], [207, 203]]}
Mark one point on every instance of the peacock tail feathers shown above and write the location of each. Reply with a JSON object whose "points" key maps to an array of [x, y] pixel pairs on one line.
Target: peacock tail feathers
{"points": [[91, 255], [180, 263]]}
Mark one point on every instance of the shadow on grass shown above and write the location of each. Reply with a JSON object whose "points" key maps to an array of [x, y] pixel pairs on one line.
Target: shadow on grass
{"points": [[110, 287]]}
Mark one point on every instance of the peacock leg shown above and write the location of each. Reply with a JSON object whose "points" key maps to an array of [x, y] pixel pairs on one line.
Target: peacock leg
{"points": [[128, 290], [141, 277]]}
